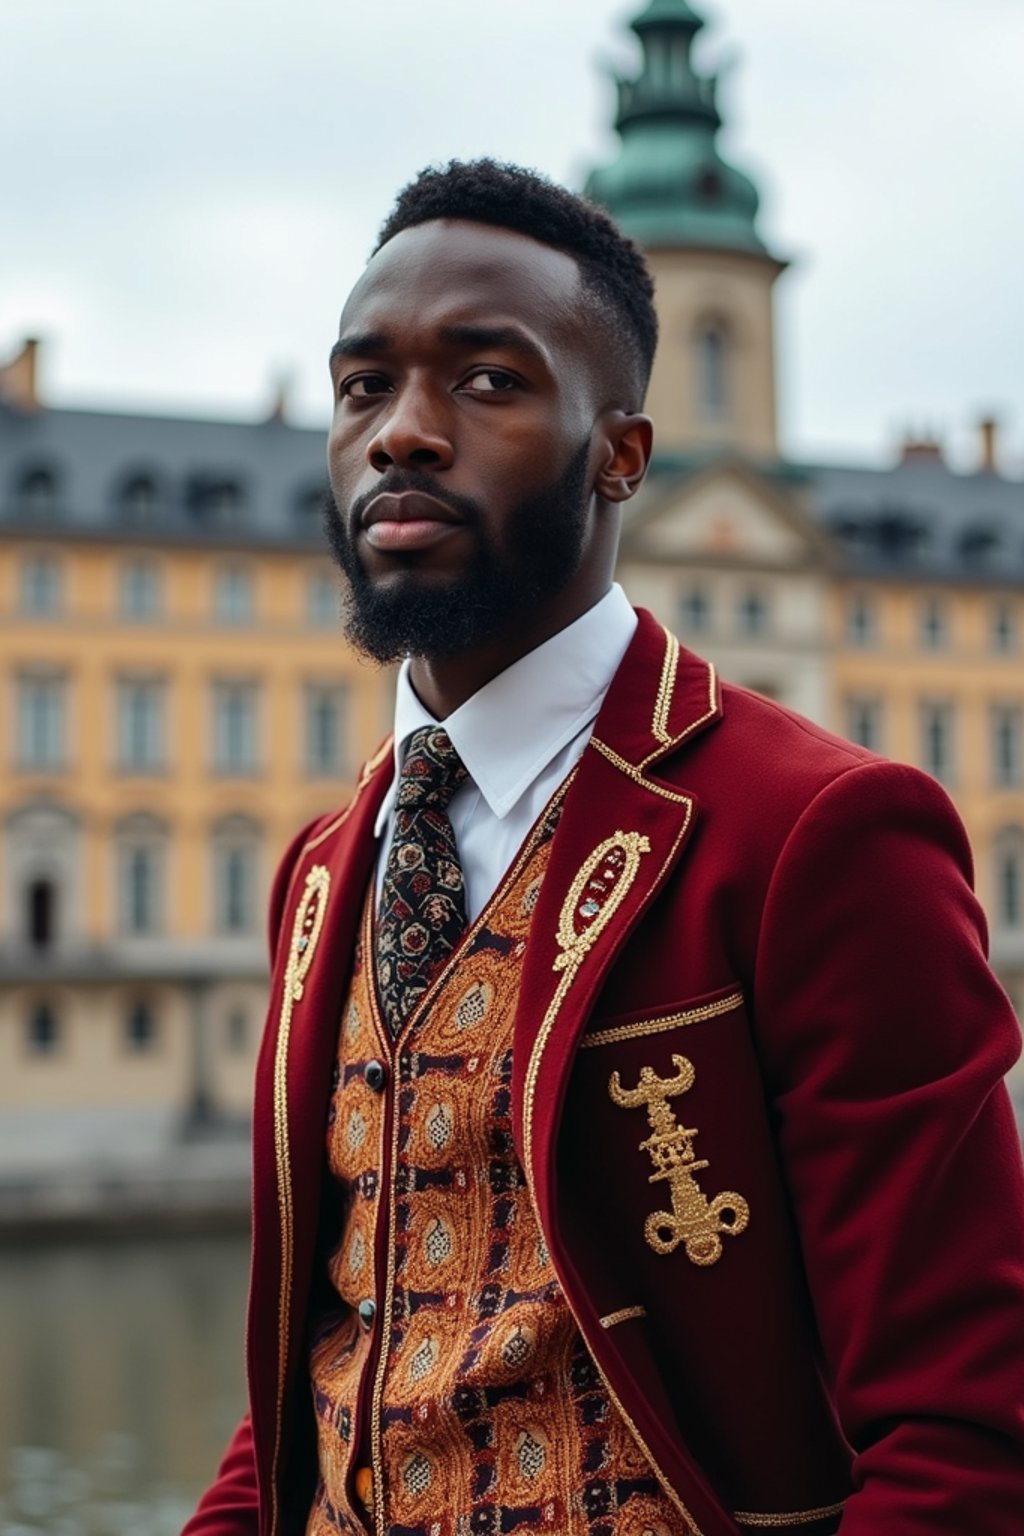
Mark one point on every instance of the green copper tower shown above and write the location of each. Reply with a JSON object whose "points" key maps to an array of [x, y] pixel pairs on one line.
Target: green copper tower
{"points": [[670, 185], [695, 215]]}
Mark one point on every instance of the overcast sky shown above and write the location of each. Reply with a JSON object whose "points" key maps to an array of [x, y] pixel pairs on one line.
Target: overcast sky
{"points": [[189, 187]]}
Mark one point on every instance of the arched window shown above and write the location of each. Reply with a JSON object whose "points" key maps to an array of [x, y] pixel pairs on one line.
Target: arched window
{"points": [[712, 359], [141, 876], [236, 875], [41, 913]]}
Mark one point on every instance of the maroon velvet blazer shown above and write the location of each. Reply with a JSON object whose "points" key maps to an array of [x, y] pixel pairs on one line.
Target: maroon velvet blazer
{"points": [[758, 1094]]}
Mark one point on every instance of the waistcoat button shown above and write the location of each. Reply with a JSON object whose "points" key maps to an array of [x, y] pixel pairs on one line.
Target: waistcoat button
{"points": [[375, 1075], [367, 1313]]}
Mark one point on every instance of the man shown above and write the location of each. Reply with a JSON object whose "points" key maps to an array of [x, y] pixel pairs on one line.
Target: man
{"points": [[631, 1154]]}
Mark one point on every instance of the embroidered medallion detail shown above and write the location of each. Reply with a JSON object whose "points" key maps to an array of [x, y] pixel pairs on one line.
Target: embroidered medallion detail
{"points": [[693, 1220], [596, 894], [309, 919]]}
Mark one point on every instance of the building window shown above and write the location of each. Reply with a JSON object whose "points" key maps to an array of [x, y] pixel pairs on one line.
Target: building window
{"points": [[937, 745], [41, 722], [310, 503], [138, 500], [37, 493], [695, 609], [234, 727], [40, 595], [232, 595], [864, 722], [934, 623], [1003, 627], [1009, 879], [41, 913], [236, 871], [43, 1029], [139, 590], [140, 724], [711, 348], [1006, 746], [861, 620], [141, 877], [325, 728], [752, 613], [237, 1031], [323, 600], [215, 501], [140, 1031]]}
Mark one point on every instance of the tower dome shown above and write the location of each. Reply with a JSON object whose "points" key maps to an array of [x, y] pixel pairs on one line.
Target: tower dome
{"points": [[670, 186]]}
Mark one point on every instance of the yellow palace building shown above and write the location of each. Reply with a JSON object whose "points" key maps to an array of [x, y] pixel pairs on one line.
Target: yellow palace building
{"points": [[178, 698]]}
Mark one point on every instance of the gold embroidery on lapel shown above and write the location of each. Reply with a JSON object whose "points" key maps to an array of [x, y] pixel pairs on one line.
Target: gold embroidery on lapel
{"points": [[656, 1026], [663, 702], [693, 1220], [309, 919]]}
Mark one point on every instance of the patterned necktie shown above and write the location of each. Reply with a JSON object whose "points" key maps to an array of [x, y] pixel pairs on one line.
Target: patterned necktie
{"points": [[422, 912]]}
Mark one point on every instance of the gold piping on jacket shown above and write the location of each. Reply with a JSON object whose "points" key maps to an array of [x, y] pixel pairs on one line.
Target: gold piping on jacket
{"points": [[778, 1522], [655, 1026], [666, 687], [637, 775], [306, 928], [623, 1315]]}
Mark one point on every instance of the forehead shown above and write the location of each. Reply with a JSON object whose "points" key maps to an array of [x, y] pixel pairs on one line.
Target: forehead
{"points": [[433, 273]]}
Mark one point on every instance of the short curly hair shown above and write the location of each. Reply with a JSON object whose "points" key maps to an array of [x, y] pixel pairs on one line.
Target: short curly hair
{"points": [[614, 273]]}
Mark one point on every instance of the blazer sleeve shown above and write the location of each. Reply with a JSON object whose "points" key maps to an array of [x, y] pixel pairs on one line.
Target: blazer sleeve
{"points": [[885, 1038], [230, 1506]]}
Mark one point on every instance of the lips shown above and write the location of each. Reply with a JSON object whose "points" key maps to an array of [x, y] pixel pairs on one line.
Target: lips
{"points": [[408, 520]]}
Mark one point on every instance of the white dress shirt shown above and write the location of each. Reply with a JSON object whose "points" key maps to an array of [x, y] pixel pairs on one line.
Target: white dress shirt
{"points": [[518, 736]]}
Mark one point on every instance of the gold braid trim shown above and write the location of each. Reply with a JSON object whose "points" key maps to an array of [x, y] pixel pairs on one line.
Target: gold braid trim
{"points": [[778, 1522], [624, 1315], [656, 1026]]}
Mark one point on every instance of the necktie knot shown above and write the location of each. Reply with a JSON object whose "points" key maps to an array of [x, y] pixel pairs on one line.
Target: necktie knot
{"points": [[431, 772]]}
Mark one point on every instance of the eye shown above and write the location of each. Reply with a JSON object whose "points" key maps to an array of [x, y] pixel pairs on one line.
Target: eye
{"points": [[364, 386], [490, 381]]}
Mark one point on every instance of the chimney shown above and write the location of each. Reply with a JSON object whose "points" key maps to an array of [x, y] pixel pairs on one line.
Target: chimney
{"points": [[988, 429], [924, 449], [19, 381], [281, 398]]}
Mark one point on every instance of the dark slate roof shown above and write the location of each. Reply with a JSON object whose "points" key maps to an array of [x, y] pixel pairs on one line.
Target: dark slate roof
{"points": [[922, 519], [248, 481]]}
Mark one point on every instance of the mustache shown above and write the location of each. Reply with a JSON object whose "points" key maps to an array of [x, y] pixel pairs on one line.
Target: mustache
{"points": [[393, 482]]}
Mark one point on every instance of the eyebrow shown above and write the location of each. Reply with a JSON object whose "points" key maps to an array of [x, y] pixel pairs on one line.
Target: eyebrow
{"points": [[507, 337]]}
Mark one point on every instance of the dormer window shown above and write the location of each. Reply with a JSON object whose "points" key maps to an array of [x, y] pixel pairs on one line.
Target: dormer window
{"points": [[36, 493], [138, 500], [215, 501]]}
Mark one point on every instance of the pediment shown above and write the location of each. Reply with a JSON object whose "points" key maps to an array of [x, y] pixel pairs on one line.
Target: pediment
{"points": [[725, 513]]}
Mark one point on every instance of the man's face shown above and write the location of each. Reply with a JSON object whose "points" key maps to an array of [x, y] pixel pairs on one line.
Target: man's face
{"points": [[460, 451]]}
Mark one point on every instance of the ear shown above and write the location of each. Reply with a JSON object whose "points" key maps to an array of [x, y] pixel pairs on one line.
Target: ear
{"points": [[626, 453]]}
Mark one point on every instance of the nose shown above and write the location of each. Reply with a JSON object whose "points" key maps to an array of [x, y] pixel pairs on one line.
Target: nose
{"points": [[414, 432]]}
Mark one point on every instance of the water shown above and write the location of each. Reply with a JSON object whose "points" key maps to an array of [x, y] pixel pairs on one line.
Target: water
{"points": [[121, 1379]]}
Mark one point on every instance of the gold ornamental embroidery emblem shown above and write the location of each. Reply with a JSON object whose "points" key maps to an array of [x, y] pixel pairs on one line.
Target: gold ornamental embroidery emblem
{"points": [[596, 894], [694, 1220]]}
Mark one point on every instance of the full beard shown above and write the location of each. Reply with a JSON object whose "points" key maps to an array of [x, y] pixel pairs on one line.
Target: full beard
{"points": [[502, 586]]}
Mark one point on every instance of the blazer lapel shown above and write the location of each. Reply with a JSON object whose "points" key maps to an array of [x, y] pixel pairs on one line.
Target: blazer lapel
{"points": [[318, 933], [621, 833]]}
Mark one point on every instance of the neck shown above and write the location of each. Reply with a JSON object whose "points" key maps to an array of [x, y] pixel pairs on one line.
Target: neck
{"points": [[444, 683]]}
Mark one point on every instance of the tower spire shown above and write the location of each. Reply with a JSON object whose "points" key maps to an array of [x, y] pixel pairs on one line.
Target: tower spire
{"points": [[670, 186]]}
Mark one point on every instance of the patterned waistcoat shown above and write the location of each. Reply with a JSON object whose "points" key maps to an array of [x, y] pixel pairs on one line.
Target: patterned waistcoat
{"points": [[448, 1352]]}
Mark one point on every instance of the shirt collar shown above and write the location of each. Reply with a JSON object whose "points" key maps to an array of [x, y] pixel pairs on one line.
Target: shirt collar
{"points": [[512, 728]]}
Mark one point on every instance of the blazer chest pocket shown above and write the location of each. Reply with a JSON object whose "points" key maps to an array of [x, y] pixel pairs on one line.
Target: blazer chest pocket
{"points": [[670, 1107]]}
